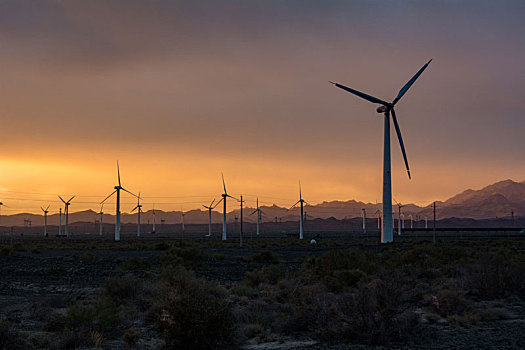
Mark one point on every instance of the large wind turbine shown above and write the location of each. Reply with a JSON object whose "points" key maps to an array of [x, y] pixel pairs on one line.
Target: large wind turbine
{"points": [[45, 219], [117, 216], [388, 108], [139, 207], [66, 212], [259, 212], [210, 208], [301, 222], [224, 196]]}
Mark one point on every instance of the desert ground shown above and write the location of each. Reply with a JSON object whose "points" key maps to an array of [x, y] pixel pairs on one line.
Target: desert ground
{"points": [[281, 293]]}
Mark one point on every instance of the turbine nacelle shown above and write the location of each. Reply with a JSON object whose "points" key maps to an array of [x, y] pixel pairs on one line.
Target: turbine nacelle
{"points": [[381, 109]]}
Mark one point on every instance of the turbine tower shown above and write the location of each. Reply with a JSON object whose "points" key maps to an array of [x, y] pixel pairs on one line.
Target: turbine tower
{"points": [[45, 219], [210, 208], [301, 222], [224, 196], [117, 191], [66, 212], [364, 220], [59, 222], [259, 212], [400, 225], [139, 207], [387, 108]]}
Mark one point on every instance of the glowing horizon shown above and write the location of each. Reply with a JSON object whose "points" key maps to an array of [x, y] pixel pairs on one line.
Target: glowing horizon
{"points": [[180, 91]]}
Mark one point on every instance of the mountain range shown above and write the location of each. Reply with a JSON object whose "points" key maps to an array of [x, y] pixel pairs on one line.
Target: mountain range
{"points": [[501, 199]]}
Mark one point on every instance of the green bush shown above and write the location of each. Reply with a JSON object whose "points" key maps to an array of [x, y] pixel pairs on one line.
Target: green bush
{"points": [[104, 316], [268, 274], [131, 336], [135, 264], [264, 257], [87, 257], [122, 288], [192, 313], [190, 258]]}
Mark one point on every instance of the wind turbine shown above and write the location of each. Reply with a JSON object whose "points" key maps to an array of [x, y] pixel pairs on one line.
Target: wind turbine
{"points": [[45, 219], [210, 208], [224, 196], [139, 207], [66, 212], [117, 191], [387, 108], [399, 222], [364, 220], [301, 222], [259, 212], [101, 218]]}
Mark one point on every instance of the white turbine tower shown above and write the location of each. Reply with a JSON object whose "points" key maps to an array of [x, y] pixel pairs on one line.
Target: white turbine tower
{"points": [[153, 224], [66, 212], [364, 220], [259, 212], [101, 228], [224, 196], [59, 222], [301, 222], [139, 210], [117, 216], [400, 223], [45, 219], [210, 208], [388, 108]]}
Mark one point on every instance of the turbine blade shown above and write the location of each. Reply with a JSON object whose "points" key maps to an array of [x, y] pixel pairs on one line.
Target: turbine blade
{"points": [[205, 206], [407, 86], [132, 210], [42, 208], [133, 194], [211, 204], [112, 193], [118, 172], [47, 207], [294, 205], [400, 138], [219, 202], [300, 195], [361, 94], [223, 183], [255, 211], [63, 201], [70, 199], [237, 199]]}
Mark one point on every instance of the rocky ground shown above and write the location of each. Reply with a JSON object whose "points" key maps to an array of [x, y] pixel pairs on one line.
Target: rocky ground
{"points": [[35, 284]]}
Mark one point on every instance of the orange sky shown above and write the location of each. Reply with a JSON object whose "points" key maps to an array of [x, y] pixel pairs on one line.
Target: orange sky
{"points": [[180, 91]]}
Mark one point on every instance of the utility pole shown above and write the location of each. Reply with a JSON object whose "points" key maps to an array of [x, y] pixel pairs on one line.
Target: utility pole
{"points": [[434, 236], [59, 221], [240, 234], [182, 214]]}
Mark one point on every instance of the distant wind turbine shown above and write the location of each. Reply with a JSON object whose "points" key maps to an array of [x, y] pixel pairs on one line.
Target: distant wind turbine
{"points": [[364, 220], [66, 212], [223, 200], [45, 219], [210, 208], [259, 212], [139, 207], [388, 108], [2, 205], [117, 191], [301, 222]]}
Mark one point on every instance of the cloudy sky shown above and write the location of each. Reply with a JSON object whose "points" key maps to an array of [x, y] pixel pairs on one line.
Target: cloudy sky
{"points": [[180, 91]]}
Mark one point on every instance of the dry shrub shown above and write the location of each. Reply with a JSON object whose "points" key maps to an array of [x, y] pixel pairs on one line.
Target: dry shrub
{"points": [[379, 311], [268, 275], [496, 275], [192, 313]]}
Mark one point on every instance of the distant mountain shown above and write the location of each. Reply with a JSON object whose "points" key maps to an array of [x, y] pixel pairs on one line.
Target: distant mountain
{"points": [[497, 200]]}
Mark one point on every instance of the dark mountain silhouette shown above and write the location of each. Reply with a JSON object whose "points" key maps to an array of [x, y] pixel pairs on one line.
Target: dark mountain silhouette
{"points": [[498, 200]]}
